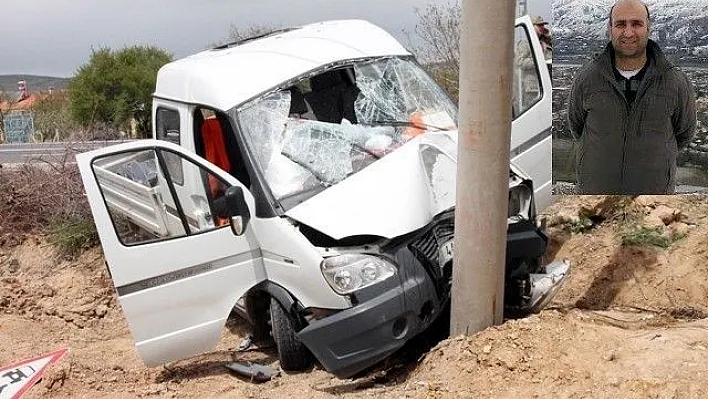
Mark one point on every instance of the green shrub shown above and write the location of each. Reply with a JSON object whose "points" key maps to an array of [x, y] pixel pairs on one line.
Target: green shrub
{"points": [[52, 118], [115, 87], [583, 224], [645, 236], [73, 235]]}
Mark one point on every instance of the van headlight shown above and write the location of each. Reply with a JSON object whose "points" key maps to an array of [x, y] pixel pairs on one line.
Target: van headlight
{"points": [[350, 272]]}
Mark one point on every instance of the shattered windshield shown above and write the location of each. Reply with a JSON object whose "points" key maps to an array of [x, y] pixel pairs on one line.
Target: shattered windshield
{"points": [[331, 125]]}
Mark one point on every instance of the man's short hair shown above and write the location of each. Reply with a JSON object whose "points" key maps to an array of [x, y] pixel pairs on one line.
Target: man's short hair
{"points": [[613, 7]]}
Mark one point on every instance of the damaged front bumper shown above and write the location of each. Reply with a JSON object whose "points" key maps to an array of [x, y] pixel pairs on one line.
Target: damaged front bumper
{"points": [[388, 315], [356, 338]]}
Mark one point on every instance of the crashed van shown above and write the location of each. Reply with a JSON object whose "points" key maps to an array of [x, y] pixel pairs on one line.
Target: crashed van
{"points": [[307, 179]]}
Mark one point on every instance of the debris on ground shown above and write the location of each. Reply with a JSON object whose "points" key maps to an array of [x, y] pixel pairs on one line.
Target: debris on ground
{"points": [[254, 371]]}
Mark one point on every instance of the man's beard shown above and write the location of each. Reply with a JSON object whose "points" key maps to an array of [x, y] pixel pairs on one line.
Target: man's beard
{"points": [[638, 50]]}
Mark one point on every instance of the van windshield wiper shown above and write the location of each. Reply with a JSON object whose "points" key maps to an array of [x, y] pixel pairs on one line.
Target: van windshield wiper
{"points": [[418, 125]]}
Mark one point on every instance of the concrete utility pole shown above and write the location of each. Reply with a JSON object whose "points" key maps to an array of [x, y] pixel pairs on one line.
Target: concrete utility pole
{"points": [[486, 53]]}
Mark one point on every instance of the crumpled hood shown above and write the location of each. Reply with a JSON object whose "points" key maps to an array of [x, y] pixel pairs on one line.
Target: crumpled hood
{"points": [[395, 195]]}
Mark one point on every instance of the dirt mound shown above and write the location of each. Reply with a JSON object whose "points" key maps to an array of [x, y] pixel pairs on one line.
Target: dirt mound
{"points": [[38, 286], [608, 274], [49, 303], [578, 354]]}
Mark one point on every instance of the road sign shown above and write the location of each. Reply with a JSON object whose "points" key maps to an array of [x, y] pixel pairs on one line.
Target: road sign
{"points": [[19, 377], [19, 127]]}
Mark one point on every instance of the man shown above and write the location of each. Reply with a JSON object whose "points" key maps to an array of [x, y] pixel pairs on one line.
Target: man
{"points": [[530, 85], [544, 36], [631, 109]]}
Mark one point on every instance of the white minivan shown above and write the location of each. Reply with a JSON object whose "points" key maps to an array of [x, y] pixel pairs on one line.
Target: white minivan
{"points": [[307, 177]]}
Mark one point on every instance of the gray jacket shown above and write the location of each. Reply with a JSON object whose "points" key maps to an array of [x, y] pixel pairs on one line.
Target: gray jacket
{"points": [[630, 148]]}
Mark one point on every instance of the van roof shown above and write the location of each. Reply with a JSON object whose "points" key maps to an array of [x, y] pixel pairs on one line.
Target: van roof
{"points": [[225, 77]]}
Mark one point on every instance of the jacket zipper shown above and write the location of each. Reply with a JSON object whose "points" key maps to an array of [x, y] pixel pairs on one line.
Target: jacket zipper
{"points": [[628, 108]]}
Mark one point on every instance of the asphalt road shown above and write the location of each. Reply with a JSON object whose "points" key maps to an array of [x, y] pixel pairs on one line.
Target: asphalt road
{"points": [[55, 152]]}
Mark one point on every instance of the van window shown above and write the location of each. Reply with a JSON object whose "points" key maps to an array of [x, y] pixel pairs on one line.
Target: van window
{"points": [[144, 204], [215, 141], [527, 82], [167, 128]]}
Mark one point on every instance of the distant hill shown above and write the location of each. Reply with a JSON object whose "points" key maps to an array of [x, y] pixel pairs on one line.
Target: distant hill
{"points": [[8, 83], [679, 26]]}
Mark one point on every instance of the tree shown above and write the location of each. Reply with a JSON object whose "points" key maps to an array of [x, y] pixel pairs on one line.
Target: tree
{"points": [[52, 118], [115, 87], [437, 43]]}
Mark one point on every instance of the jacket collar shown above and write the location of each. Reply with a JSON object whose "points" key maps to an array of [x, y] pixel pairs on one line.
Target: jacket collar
{"points": [[655, 58], [658, 64]]}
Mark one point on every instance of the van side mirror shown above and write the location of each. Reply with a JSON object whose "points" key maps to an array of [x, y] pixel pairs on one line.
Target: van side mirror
{"points": [[236, 209]]}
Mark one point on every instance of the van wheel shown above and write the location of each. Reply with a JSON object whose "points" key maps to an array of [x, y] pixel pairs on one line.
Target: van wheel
{"points": [[258, 306], [293, 354]]}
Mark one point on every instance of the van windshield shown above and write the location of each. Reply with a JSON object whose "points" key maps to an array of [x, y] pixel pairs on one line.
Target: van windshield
{"points": [[329, 126]]}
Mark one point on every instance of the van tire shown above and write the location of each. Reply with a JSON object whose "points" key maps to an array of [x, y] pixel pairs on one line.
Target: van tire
{"points": [[258, 308], [293, 354]]}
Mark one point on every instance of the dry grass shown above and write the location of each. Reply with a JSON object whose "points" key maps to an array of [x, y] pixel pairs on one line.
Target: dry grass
{"points": [[46, 198]]}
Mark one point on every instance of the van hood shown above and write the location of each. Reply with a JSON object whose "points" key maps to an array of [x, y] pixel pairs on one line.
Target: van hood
{"points": [[395, 195]]}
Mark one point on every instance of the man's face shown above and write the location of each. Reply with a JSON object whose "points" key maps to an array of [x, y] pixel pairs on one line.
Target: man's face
{"points": [[540, 29], [629, 29]]}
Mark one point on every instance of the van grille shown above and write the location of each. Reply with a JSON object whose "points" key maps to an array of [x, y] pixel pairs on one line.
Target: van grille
{"points": [[426, 248]]}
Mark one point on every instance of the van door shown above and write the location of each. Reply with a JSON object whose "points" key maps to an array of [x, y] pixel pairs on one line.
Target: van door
{"points": [[532, 111], [177, 269]]}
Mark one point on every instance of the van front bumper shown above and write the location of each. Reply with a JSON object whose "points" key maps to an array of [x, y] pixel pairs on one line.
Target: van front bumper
{"points": [[356, 338]]}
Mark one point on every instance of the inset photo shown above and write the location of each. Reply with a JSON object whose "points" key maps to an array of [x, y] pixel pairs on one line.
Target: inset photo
{"points": [[630, 97]]}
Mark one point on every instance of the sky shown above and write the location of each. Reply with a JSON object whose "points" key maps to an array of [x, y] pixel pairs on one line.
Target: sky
{"points": [[55, 37]]}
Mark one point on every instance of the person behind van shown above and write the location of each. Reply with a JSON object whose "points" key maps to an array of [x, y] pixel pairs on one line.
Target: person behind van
{"points": [[523, 50], [526, 66], [544, 36], [631, 110]]}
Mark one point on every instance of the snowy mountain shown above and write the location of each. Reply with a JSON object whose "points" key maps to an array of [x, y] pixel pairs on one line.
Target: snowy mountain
{"points": [[679, 26]]}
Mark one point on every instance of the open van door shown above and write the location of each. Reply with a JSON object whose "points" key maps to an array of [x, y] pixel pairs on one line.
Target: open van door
{"points": [[532, 111], [178, 269]]}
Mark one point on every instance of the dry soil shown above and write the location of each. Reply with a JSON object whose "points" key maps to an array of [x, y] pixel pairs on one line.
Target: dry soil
{"points": [[630, 322]]}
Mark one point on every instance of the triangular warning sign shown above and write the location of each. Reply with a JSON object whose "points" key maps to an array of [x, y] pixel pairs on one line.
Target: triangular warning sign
{"points": [[18, 377]]}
